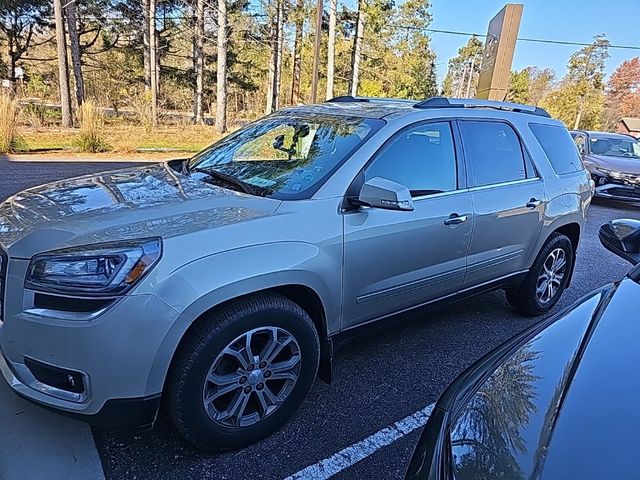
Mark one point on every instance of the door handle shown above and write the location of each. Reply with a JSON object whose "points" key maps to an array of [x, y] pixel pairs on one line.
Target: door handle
{"points": [[455, 219], [533, 203]]}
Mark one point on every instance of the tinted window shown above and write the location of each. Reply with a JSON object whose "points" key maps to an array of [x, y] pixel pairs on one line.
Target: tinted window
{"points": [[494, 152], [558, 147], [287, 156], [422, 158], [616, 147]]}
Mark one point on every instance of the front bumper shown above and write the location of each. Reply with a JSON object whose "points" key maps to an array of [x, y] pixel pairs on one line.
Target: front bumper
{"points": [[124, 413], [122, 354], [616, 191]]}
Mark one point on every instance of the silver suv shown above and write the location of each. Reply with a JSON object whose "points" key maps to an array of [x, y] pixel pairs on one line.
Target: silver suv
{"points": [[224, 283]]}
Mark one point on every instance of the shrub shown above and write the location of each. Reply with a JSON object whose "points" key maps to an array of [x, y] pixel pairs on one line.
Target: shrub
{"points": [[9, 139], [91, 122]]}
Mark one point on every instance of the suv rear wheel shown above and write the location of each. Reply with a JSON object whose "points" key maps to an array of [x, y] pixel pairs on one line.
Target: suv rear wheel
{"points": [[243, 373], [547, 278]]}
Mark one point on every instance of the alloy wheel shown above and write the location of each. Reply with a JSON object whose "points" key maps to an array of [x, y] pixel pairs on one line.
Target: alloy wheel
{"points": [[252, 377], [551, 277]]}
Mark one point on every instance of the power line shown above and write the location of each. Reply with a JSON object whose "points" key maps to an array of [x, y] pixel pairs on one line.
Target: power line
{"points": [[524, 39]]}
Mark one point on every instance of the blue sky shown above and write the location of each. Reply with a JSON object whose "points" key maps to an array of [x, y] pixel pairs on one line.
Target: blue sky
{"points": [[571, 20]]}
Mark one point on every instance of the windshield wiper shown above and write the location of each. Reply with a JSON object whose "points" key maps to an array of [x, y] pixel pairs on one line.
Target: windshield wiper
{"points": [[244, 186]]}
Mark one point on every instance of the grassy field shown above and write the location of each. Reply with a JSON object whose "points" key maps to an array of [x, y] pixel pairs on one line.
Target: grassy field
{"points": [[121, 138]]}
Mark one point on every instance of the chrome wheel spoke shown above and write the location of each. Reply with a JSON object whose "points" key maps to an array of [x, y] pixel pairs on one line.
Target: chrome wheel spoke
{"points": [[276, 348], [241, 356], [235, 409], [217, 393], [284, 370], [268, 400]]}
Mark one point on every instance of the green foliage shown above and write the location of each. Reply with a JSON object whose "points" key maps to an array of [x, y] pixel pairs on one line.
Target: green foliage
{"points": [[461, 67], [579, 99]]}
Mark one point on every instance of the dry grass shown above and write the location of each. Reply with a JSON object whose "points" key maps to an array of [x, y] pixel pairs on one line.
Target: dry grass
{"points": [[8, 125], [125, 138], [90, 138]]}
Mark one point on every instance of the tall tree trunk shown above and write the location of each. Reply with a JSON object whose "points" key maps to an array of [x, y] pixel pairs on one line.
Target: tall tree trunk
{"points": [[146, 54], [297, 53], [198, 54], [74, 47], [63, 68], [276, 40], [357, 51], [153, 61], [221, 79], [331, 48], [280, 50]]}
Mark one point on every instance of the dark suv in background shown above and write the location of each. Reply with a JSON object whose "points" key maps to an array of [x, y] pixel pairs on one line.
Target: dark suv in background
{"points": [[613, 160]]}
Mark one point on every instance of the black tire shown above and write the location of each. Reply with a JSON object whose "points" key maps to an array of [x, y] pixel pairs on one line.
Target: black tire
{"points": [[186, 381], [524, 298]]}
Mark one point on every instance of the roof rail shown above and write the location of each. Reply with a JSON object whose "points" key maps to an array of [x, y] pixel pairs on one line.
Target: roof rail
{"points": [[347, 99], [350, 98], [444, 102]]}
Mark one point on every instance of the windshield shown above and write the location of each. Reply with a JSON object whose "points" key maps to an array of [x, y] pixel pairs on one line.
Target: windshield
{"points": [[286, 157], [615, 147]]}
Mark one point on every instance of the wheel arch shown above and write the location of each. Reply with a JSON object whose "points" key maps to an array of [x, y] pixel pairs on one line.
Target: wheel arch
{"points": [[303, 295], [572, 231]]}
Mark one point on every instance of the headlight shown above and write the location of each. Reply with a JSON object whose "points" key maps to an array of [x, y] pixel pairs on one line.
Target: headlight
{"points": [[610, 173], [97, 270]]}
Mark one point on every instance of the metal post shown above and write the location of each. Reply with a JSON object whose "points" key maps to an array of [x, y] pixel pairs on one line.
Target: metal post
{"points": [[316, 53]]}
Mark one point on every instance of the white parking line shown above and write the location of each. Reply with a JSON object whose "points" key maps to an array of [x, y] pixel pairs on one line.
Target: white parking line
{"points": [[359, 451]]}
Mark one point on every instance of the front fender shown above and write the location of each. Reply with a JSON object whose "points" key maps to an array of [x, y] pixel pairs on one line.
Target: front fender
{"points": [[198, 286], [209, 281]]}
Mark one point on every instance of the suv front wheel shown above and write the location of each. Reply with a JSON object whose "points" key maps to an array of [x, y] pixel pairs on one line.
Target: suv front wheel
{"points": [[243, 372], [547, 278]]}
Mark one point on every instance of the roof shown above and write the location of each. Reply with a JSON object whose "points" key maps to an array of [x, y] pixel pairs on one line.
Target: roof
{"points": [[595, 134], [632, 124], [371, 107], [354, 109]]}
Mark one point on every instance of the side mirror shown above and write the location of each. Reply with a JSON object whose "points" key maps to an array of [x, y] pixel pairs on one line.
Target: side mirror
{"points": [[379, 192], [622, 237]]}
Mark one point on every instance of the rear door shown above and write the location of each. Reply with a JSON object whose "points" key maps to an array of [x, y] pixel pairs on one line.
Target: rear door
{"points": [[508, 200]]}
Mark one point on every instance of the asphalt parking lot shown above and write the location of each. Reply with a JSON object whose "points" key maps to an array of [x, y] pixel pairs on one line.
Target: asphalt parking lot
{"points": [[378, 379]]}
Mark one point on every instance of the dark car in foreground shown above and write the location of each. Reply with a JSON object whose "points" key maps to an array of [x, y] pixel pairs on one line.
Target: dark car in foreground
{"points": [[613, 160], [557, 402]]}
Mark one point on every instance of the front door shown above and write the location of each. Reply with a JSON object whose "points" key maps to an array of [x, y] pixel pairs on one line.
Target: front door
{"points": [[397, 259], [508, 200]]}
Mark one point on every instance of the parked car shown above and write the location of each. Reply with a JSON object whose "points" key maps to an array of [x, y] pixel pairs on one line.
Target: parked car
{"points": [[558, 401], [225, 282], [613, 159]]}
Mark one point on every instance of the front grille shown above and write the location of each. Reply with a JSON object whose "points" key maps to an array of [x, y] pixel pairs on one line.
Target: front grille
{"points": [[3, 281]]}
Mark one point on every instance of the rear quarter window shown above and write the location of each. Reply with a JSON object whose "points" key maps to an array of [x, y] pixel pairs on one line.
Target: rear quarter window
{"points": [[558, 146]]}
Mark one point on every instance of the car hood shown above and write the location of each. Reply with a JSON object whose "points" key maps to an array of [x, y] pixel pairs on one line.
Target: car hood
{"points": [[616, 164], [153, 200], [564, 404]]}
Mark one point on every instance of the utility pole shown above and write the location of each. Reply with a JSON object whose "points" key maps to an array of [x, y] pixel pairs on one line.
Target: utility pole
{"points": [[473, 65], [316, 53], [63, 68]]}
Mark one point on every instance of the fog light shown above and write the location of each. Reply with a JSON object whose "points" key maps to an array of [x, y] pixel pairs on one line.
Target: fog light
{"points": [[602, 181], [56, 377]]}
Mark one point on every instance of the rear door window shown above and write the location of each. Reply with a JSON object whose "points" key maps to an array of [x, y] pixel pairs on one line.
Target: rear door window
{"points": [[558, 146], [494, 152]]}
